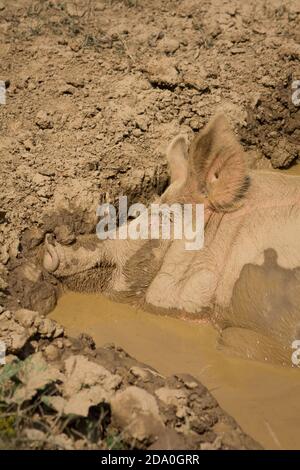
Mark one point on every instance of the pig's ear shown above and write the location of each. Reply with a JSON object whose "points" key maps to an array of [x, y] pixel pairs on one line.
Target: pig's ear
{"points": [[218, 163], [177, 158]]}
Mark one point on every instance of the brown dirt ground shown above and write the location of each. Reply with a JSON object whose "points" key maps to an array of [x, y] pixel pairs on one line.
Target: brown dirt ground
{"points": [[96, 90]]}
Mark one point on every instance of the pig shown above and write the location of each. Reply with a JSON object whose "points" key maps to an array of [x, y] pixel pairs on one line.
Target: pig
{"points": [[246, 278]]}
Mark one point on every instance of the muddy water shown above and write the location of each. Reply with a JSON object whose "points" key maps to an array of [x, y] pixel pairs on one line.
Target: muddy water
{"points": [[293, 170], [264, 399]]}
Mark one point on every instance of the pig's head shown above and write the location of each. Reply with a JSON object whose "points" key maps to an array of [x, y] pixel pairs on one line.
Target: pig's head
{"points": [[212, 172]]}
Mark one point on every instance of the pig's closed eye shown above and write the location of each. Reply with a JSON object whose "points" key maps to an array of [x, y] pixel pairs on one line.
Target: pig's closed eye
{"points": [[215, 176]]}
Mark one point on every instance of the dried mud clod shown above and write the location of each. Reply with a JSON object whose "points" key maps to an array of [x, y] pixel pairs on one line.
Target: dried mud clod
{"points": [[274, 123], [67, 395]]}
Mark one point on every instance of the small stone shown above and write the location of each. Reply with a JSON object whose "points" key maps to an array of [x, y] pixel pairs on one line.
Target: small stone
{"points": [[195, 124], [18, 340], [76, 123], [283, 155], [81, 373], [51, 353], [3, 284], [65, 89], [64, 234], [255, 100], [62, 42], [77, 82], [2, 6], [31, 86], [75, 45], [136, 412], [25, 317], [4, 254], [267, 81], [28, 144], [231, 10], [190, 382], [61, 441], [163, 72], [34, 374], [92, 165], [140, 373], [87, 340], [80, 444], [237, 114], [35, 435], [38, 179], [10, 358], [171, 396], [137, 132], [74, 10], [14, 248], [290, 49], [237, 50], [34, 345], [31, 238], [217, 444], [47, 327], [142, 123], [30, 201], [47, 171], [43, 120], [59, 343], [59, 331], [196, 79], [168, 45], [44, 192]]}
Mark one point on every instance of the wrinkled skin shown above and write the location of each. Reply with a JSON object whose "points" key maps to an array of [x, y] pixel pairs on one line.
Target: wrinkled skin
{"points": [[245, 280]]}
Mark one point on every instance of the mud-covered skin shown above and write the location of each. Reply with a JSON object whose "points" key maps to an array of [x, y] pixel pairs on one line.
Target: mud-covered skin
{"points": [[246, 275]]}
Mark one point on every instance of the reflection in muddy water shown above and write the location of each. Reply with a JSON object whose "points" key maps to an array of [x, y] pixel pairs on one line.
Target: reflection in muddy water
{"points": [[264, 399]]}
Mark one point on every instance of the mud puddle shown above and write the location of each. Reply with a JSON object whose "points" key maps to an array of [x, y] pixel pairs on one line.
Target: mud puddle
{"points": [[264, 399]]}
